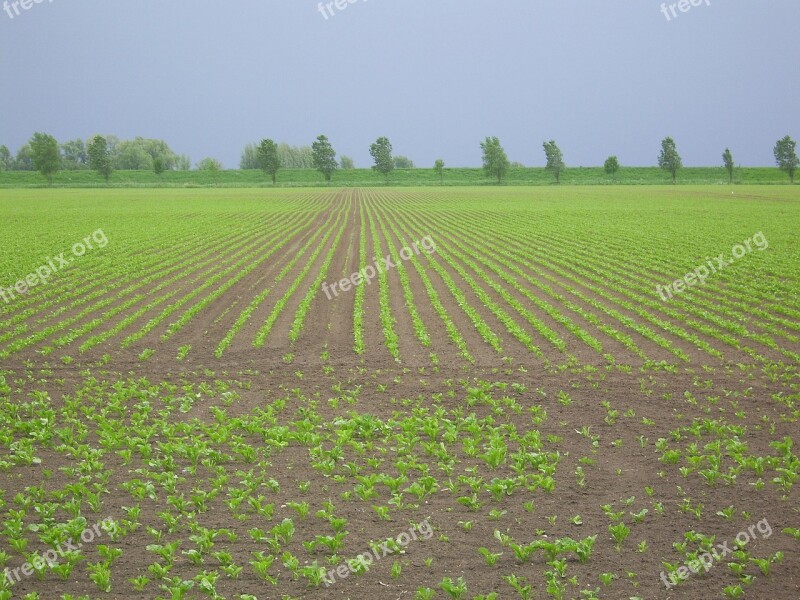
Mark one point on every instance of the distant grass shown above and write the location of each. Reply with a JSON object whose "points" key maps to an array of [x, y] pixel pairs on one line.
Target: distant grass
{"points": [[403, 177]]}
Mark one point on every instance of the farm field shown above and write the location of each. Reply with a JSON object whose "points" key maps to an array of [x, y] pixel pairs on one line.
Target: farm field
{"points": [[238, 392]]}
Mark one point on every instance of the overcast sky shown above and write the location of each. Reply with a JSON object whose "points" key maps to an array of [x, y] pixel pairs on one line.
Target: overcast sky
{"points": [[435, 76]]}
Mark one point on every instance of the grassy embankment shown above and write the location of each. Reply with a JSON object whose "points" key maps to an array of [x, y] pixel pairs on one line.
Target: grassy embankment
{"points": [[403, 177]]}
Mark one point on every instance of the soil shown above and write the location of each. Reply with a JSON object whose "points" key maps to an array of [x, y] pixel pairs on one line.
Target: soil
{"points": [[314, 369]]}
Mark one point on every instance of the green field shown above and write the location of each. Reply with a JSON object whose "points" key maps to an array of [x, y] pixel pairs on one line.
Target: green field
{"points": [[512, 410], [400, 177]]}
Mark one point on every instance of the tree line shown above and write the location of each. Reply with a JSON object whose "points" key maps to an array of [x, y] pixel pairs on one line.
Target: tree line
{"points": [[496, 163], [105, 154], [136, 154]]}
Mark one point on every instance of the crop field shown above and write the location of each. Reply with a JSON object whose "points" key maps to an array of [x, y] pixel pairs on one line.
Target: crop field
{"points": [[475, 393]]}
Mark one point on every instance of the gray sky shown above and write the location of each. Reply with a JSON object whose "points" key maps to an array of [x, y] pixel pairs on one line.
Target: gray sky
{"points": [[435, 76]]}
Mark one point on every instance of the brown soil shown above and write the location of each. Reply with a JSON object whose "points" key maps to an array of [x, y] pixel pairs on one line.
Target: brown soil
{"points": [[624, 463]]}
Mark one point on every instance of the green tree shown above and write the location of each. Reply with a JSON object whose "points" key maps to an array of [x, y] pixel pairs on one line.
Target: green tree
{"points": [[158, 165], [669, 159], [46, 155], [159, 149], [183, 163], [24, 159], [381, 152], [555, 160], [209, 164], [249, 157], [403, 162], [495, 161], [100, 156], [268, 159], [786, 156], [74, 155], [727, 161], [324, 157], [347, 163], [6, 161], [611, 166], [130, 156], [295, 157], [438, 166], [139, 154]]}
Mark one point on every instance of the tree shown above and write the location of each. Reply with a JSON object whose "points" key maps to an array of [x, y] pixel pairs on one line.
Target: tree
{"points": [[727, 160], [139, 154], [249, 157], [347, 163], [324, 157], [24, 159], [158, 165], [381, 152], [130, 156], [786, 156], [268, 159], [495, 161], [183, 163], [669, 159], [159, 149], [555, 160], [439, 168], [209, 164], [6, 161], [100, 156], [46, 155], [611, 166], [212, 166], [295, 157], [74, 155], [403, 162]]}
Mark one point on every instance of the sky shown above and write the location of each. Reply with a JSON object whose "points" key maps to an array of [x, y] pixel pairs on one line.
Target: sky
{"points": [[434, 76]]}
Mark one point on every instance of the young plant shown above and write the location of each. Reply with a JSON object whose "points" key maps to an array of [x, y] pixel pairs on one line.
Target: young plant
{"points": [[620, 533], [489, 557], [456, 589]]}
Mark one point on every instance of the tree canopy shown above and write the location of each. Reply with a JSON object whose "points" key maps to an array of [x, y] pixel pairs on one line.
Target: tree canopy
{"points": [[46, 155], [99, 157], [555, 160], [324, 157], [381, 152], [727, 161], [786, 156], [438, 166], [611, 166], [268, 159], [669, 159], [495, 161]]}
